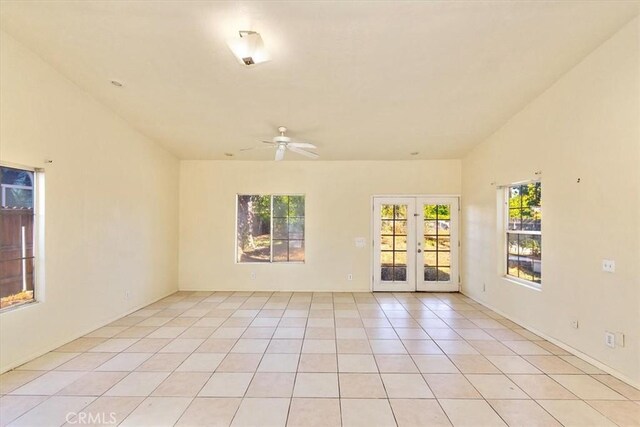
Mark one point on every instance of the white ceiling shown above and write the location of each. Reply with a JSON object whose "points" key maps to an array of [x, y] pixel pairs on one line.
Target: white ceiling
{"points": [[362, 80]]}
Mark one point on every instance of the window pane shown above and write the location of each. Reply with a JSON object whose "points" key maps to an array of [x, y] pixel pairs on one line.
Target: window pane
{"points": [[515, 221], [512, 244], [254, 228], [280, 230], [17, 188], [296, 250], [280, 206], [17, 260], [530, 245], [280, 251], [512, 265], [296, 206], [296, 228]]}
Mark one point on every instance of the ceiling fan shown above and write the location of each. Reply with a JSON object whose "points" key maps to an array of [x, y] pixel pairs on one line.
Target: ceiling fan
{"points": [[283, 143]]}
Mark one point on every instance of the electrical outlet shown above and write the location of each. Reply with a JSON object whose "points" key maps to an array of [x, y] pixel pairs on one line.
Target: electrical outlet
{"points": [[609, 265], [574, 324], [610, 339], [349, 276], [253, 275], [620, 339]]}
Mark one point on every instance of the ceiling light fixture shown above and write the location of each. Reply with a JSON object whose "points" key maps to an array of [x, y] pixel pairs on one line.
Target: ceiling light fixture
{"points": [[249, 48]]}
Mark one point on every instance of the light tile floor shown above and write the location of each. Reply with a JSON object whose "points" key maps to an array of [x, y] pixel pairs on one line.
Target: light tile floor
{"points": [[313, 359]]}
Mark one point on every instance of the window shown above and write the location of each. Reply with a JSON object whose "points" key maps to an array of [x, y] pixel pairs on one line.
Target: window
{"points": [[17, 237], [524, 232], [270, 228]]}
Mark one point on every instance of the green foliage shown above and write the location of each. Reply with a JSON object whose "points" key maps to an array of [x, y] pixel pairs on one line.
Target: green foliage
{"points": [[526, 197]]}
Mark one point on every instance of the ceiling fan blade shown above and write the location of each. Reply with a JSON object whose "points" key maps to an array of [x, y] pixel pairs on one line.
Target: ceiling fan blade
{"points": [[280, 153], [303, 152], [269, 142], [259, 147], [301, 145]]}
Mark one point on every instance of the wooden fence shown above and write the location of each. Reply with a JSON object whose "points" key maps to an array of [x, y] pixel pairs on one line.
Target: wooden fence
{"points": [[16, 262]]}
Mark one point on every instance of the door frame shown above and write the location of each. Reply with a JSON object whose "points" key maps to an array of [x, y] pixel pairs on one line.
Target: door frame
{"points": [[413, 287]]}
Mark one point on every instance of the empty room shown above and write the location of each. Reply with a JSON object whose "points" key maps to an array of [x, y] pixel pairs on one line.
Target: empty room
{"points": [[319, 213]]}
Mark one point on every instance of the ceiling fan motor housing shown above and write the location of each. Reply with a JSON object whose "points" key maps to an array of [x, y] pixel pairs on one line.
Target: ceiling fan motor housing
{"points": [[281, 139]]}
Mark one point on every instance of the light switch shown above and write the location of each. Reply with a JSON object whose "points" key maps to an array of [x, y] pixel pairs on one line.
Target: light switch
{"points": [[360, 242]]}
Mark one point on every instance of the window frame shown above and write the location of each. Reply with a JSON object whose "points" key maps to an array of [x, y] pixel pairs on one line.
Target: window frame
{"points": [[506, 232], [38, 236], [271, 261]]}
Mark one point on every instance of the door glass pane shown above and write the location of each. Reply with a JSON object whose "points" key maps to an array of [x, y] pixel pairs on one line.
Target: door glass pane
{"points": [[386, 211], [430, 243], [444, 259], [400, 274], [444, 243], [444, 274], [430, 259], [400, 243], [386, 243], [399, 259], [400, 228], [430, 274], [437, 242], [393, 242], [443, 227]]}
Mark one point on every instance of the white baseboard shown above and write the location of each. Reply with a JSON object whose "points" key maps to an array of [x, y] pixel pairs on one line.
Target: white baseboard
{"points": [[609, 370], [70, 338]]}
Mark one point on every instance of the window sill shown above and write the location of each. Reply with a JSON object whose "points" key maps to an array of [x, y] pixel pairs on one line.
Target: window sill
{"points": [[525, 283], [19, 306]]}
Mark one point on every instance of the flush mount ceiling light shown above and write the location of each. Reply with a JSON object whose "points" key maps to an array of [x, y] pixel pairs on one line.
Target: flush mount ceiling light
{"points": [[248, 47]]}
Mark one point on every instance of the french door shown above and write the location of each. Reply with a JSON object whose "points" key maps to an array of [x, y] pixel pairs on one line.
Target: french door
{"points": [[415, 244]]}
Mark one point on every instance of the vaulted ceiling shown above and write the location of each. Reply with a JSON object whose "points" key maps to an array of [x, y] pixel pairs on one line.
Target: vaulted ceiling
{"points": [[361, 80]]}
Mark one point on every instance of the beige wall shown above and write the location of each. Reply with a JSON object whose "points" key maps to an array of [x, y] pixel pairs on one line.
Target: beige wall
{"points": [[111, 206], [586, 126], [338, 209]]}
